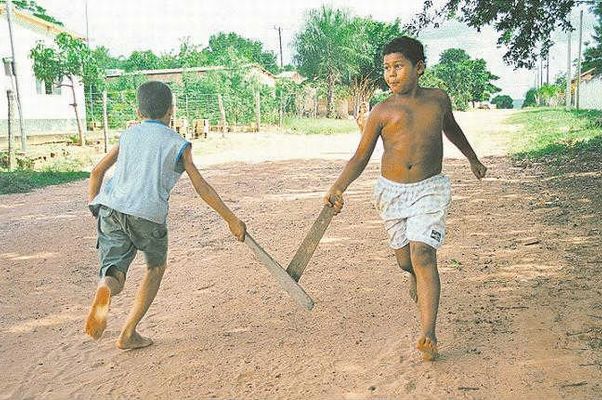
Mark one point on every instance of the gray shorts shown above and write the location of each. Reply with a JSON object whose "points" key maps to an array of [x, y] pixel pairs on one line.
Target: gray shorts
{"points": [[120, 236]]}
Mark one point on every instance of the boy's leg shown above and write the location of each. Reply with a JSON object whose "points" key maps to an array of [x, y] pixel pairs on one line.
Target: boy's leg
{"points": [[405, 263], [129, 338], [424, 262], [110, 285]]}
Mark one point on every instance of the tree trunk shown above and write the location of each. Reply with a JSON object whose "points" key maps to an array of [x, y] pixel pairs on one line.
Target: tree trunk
{"points": [[80, 132], [330, 98]]}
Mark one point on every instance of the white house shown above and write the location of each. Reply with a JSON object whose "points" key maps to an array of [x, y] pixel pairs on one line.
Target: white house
{"points": [[590, 96], [46, 108]]}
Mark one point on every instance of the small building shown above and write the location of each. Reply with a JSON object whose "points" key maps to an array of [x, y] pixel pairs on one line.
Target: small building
{"points": [[46, 107], [590, 90]]}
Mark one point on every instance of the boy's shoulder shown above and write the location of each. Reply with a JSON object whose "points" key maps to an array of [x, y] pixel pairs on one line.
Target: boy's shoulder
{"points": [[435, 94]]}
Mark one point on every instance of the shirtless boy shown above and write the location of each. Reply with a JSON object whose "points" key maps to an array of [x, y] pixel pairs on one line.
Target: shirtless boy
{"points": [[411, 195]]}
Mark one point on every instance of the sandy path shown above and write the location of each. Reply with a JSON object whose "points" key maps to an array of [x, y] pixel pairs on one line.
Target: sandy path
{"points": [[518, 319]]}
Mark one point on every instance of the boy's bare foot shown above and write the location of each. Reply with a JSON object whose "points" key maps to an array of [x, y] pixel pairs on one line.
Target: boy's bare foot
{"points": [[428, 348], [413, 291], [96, 322], [134, 341]]}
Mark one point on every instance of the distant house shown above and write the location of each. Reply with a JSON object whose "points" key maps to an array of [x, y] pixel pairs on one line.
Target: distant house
{"points": [[175, 75], [46, 108], [590, 90], [292, 75]]}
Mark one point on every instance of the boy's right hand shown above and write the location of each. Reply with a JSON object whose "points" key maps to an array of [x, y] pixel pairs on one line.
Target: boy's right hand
{"points": [[238, 229], [334, 198]]}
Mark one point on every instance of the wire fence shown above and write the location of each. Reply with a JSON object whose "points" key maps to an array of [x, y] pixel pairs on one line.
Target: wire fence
{"points": [[194, 111]]}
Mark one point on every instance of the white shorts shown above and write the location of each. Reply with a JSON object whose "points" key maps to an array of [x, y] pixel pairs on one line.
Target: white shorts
{"points": [[414, 211]]}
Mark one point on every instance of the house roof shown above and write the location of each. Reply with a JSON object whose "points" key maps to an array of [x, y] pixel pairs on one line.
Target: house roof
{"points": [[32, 20]]}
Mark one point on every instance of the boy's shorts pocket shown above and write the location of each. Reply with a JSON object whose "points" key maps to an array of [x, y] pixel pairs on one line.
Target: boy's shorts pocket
{"points": [[107, 222]]}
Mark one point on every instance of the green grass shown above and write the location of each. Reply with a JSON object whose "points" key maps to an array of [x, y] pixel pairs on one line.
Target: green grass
{"points": [[24, 179], [319, 126], [555, 131]]}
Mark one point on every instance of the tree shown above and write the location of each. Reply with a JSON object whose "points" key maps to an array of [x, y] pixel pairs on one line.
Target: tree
{"points": [[326, 49], [530, 98], [466, 80], [525, 27], [32, 7], [223, 47], [503, 101], [72, 59], [372, 36], [141, 60], [592, 56]]}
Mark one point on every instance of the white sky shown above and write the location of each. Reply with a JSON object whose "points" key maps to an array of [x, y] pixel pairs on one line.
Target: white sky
{"points": [[127, 25]]}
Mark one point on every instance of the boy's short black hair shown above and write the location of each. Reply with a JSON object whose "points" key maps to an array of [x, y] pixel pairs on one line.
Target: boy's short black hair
{"points": [[411, 49], [154, 99]]}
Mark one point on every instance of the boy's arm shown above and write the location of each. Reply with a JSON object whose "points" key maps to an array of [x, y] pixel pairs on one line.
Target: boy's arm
{"points": [[455, 135], [355, 166], [98, 173], [210, 196]]}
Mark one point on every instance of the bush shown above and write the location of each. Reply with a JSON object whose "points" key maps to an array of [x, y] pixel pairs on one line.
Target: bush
{"points": [[502, 101]]}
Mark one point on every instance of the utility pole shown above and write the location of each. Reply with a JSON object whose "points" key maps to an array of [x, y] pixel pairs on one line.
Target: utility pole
{"points": [[578, 91], [567, 99], [279, 29], [9, 7]]}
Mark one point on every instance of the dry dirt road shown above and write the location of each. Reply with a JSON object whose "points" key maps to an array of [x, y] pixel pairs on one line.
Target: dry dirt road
{"points": [[520, 317]]}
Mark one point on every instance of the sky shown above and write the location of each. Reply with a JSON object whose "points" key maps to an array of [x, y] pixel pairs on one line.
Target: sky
{"points": [[127, 25]]}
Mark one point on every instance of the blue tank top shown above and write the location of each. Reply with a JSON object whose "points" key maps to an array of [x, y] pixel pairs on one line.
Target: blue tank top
{"points": [[148, 166]]}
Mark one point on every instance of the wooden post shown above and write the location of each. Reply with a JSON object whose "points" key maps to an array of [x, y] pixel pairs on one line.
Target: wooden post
{"points": [[222, 113], [281, 112], [187, 134], [105, 120], [11, 145], [257, 111]]}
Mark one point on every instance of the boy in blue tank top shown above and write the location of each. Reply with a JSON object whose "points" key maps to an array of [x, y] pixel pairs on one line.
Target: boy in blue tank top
{"points": [[131, 208]]}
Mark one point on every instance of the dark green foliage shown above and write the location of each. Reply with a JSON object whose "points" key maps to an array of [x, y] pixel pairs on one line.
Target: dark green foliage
{"points": [[502, 101], [524, 26]]}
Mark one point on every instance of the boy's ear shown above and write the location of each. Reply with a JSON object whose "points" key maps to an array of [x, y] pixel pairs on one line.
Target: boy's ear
{"points": [[420, 67]]}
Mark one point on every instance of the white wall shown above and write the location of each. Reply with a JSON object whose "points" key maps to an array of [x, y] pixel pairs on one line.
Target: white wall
{"points": [[36, 107], [591, 94]]}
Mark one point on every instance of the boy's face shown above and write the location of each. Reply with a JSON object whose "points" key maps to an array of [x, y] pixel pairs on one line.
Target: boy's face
{"points": [[400, 74]]}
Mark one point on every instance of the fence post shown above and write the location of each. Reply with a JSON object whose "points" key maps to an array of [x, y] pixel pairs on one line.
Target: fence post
{"points": [[187, 118], [222, 113], [257, 111], [11, 145], [105, 120], [281, 111]]}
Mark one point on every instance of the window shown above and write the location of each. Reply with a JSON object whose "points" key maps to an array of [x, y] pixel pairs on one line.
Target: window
{"points": [[43, 87]]}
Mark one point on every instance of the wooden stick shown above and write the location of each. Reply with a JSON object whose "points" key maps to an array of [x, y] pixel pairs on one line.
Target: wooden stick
{"points": [[289, 284], [310, 243]]}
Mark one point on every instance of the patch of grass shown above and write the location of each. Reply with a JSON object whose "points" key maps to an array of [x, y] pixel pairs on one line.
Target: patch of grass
{"points": [[319, 126], [24, 180], [555, 131]]}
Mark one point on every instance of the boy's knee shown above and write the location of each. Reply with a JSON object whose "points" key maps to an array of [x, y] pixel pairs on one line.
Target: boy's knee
{"points": [[115, 279], [423, 255], [156, 271], [405, 265], [403, 258]]}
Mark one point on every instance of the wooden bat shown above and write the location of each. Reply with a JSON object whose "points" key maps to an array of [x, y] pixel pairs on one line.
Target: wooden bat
{"points": [[289, 284], [310, 243]]}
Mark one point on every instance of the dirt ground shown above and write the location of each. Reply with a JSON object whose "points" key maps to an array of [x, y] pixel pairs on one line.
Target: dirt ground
{"points": [[520, 316]]}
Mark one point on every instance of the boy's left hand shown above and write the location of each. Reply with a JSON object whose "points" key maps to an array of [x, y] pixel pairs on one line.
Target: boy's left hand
{"points": [[478, 169]]}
